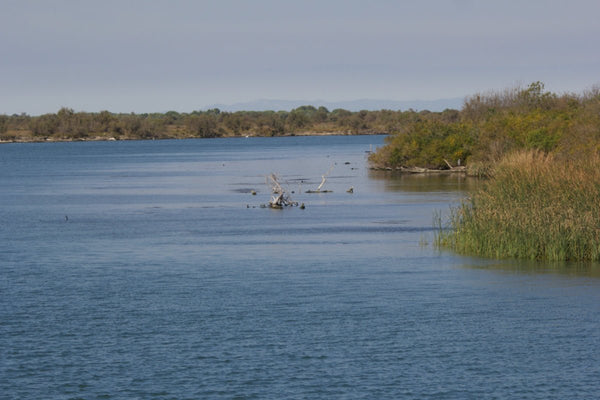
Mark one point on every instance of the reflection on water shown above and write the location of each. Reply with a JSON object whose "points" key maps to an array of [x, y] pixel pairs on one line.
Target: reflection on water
{"points": [[402, 182], [583, 269]]}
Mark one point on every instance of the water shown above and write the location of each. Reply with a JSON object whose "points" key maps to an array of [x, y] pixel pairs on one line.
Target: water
{"points": [[148, 270]]}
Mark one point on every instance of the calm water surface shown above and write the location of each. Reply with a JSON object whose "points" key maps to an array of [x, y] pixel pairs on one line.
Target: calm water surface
{"points": [[148, 270]]}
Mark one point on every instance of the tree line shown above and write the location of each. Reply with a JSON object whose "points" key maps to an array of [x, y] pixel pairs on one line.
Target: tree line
{"points": [[67, 124]]}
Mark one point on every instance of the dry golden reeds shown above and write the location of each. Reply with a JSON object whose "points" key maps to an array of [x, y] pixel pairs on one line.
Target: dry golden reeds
{"points": [[535, 206]]}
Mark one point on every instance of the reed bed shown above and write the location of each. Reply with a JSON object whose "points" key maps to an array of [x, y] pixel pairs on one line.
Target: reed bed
{"points": [[535, 207]]}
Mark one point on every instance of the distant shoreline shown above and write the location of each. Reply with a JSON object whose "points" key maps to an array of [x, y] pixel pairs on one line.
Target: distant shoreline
{"points": [[68, 125], [113, 139]]}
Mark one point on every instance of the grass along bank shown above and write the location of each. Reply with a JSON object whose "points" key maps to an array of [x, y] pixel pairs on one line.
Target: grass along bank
{"points": [[535, 206]]}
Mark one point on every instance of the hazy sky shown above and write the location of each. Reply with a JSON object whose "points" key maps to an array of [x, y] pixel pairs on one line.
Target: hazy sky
{"points": [[146, 56]]}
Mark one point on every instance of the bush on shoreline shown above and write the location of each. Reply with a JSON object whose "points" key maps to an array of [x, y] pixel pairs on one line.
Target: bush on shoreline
{"points": [[497, 123]]}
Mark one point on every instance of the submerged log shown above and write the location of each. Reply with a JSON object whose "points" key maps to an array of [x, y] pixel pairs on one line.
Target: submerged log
{"points": [[319, 191], [420, 170]]}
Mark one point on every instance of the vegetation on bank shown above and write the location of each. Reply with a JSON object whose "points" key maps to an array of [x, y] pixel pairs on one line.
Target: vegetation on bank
{"points": [[537, 206], [541, 153], [67, 124], [492, 125]]}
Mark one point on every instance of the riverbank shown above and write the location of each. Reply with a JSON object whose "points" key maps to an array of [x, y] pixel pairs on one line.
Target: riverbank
{"points": [[112, 138], [68, 125]]}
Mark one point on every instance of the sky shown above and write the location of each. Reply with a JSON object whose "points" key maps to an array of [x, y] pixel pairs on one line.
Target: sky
{"points": [[155, 56]]}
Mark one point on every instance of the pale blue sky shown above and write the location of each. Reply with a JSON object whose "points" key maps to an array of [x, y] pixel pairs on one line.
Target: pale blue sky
{"points": [[146, 56]]}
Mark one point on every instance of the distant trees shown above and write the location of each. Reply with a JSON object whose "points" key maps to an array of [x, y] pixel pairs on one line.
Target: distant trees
{"points": [[3, 123], [44, 125], [68, 124], [103, 122], [202, 125], [299, 118]]}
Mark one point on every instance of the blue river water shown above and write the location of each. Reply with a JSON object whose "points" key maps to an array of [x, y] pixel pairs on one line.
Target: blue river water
{"points": [[148, 270]]}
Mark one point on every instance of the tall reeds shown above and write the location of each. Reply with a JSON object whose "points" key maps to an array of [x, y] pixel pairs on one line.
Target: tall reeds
{"points": [[535, 206]]}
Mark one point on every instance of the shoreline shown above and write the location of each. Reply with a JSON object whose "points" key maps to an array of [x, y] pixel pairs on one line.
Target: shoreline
{"points": [[117, 139]]}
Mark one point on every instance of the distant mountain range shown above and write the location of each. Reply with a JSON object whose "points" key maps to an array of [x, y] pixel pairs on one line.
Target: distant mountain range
{"points": [[353, 105]]}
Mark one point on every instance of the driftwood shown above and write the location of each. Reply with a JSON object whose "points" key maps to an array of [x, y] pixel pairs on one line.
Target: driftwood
{"points": [[417, 170], [420, 170], [281, 197], [319, 191], [324, 178]]}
